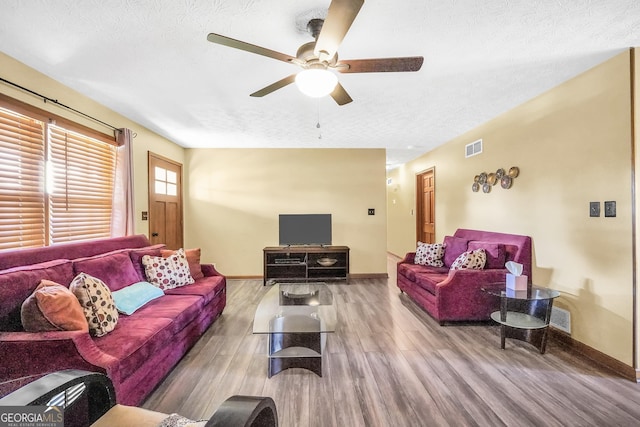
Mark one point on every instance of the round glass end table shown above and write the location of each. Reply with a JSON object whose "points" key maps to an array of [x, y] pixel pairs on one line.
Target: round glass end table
{"points": [[524, 315]]}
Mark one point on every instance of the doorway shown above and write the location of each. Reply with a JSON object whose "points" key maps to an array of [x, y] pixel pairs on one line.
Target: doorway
{"points": [[165, 202], [426, 204]]}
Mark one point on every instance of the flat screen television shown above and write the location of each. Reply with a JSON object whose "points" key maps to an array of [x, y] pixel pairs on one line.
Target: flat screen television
{"points": [[305, 229]]}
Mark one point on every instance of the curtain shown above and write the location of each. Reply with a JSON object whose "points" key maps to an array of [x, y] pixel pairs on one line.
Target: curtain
{"points": [[122, 210]]}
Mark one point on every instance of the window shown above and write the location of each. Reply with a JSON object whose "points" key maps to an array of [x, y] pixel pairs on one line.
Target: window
{"points": [[166, 182], [56, 182]]}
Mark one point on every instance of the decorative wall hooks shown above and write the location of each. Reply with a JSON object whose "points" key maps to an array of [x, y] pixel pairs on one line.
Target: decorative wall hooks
{"points": [[486, 181]]}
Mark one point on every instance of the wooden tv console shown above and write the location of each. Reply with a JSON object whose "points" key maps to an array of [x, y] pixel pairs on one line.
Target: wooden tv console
{"points": [[291, 263]]}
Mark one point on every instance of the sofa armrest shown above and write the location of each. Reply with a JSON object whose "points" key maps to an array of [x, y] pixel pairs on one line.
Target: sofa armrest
{"points": [[409, 258], [98, 392], [245, 411], [23, 353], [461, 295], [209, 270]]}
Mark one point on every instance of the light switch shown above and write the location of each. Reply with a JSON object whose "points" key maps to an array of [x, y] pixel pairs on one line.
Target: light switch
{"points": [[371, 211], [610, 209], [594, 209]]}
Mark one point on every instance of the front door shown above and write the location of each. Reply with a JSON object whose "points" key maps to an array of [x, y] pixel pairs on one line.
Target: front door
{"points": [[165, 202], [426, 204]]}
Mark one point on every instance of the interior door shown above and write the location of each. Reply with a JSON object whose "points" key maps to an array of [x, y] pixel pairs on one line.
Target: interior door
{"points": [[426, 204], [165, 202]]}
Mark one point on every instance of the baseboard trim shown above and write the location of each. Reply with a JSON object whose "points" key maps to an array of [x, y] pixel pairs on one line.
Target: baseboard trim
{"points": [[594, 355], [369, 276], [351, 276]]}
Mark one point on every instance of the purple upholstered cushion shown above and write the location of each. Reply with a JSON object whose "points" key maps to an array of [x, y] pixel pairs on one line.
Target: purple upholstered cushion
{"points": [[453, 247], [18, 283], [136, 258], [207, 288], [495, 252], [114, 269]]}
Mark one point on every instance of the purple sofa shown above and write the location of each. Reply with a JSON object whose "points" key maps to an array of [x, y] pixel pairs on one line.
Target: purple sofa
{"points": [[456, 295], [143, 347]]}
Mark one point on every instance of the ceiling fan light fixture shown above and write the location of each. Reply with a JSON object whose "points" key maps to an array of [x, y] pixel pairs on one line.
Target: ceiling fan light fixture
{"points": [[316, 82]]}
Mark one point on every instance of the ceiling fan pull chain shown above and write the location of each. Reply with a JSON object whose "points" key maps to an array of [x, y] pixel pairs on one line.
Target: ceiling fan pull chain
{"points": [[318, 124]]}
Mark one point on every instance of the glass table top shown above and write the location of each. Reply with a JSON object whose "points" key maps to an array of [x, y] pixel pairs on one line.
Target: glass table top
{"points": [[534, 293], [296, 308]]}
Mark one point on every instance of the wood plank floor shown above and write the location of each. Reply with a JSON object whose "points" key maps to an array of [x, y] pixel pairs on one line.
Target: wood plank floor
{"points": [[390, 364]]}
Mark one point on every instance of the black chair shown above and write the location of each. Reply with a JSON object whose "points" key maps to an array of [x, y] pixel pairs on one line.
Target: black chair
{"points": [[88, 399]]}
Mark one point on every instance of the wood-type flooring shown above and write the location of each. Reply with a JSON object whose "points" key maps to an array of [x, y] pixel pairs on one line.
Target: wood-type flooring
{"points": [[390, 364]]}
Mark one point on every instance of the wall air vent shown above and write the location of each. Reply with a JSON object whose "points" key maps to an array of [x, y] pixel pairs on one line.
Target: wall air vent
{"points": [[473, 148], [561, 319]]}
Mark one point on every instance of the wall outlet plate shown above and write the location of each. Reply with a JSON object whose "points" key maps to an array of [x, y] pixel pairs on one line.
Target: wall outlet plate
{"points": [[371, 211], [610, 209], [594, 209]]}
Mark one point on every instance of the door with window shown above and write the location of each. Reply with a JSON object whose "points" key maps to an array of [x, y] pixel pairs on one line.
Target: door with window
{"points": [[165, 202], [426, 207]]}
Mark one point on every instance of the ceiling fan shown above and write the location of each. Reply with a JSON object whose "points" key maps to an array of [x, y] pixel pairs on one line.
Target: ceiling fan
{"points": [[317, 57]]}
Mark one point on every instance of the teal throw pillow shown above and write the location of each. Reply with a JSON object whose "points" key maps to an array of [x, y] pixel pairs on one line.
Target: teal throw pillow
{"points": [[132, 297]]}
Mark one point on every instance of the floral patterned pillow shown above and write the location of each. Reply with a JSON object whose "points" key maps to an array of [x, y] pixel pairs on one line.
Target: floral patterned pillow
{"points": [[96, 302], [429, 254], [470, 260], [168, 273]]}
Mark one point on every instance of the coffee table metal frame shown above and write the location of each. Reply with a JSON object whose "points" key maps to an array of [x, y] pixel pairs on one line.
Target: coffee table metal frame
{"points": [[525, 314], [296, 317]]}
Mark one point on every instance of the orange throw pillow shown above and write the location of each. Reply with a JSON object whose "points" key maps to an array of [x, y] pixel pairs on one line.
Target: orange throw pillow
{"points": [[52, 307], [193, 258]]}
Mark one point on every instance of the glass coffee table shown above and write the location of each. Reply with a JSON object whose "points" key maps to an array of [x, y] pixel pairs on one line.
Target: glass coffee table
{"points": [[297, 318], [525, 314]]}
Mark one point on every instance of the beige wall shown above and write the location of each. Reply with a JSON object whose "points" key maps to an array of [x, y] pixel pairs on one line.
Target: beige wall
{"points": [[145, 140], [573, 146], [234, 196]]}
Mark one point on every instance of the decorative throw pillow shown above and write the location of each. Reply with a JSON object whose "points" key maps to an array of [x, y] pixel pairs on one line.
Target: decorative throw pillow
{"points": [[168, 273], [132, 297], [96, 302], [52, 307], [453, 247], [429, 254], [470, 260], [496, 253], [175, 420], [193, 258]]}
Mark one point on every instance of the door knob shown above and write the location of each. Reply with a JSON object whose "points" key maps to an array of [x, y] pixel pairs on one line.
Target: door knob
{"points": [[154, 234]]}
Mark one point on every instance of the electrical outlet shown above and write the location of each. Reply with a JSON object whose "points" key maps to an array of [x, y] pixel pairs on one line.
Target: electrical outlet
{"points": [[371, 211], [594, 209], [610, 209]]}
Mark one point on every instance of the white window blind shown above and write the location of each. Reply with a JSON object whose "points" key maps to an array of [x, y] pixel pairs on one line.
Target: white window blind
{"points": [[22, 203], [81, 198], [55, 184]]}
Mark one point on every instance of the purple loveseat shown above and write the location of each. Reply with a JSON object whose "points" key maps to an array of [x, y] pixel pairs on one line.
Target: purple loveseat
{"points": [[143, 347], [456, 295]]}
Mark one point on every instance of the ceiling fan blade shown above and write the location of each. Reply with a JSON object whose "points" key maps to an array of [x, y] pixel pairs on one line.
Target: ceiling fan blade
{"points": [[380, 65], [340, 95], [340, 16], [237, 44], [275, 86]]}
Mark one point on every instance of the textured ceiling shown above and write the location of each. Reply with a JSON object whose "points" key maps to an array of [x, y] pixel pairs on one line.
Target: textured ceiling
{"points": [[150, 61]]}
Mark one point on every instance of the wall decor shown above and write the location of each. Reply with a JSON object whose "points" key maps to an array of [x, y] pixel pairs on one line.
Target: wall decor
{"points": [[501, 176]]}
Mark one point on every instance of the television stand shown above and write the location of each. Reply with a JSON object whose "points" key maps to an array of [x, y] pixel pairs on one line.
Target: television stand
{"points": [[305, 263]]}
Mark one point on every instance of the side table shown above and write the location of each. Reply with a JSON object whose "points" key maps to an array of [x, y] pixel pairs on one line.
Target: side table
{"points": [[524, 315]]}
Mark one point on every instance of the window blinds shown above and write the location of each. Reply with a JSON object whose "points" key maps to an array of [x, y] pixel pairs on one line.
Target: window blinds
{"points": [[55, 184]]}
